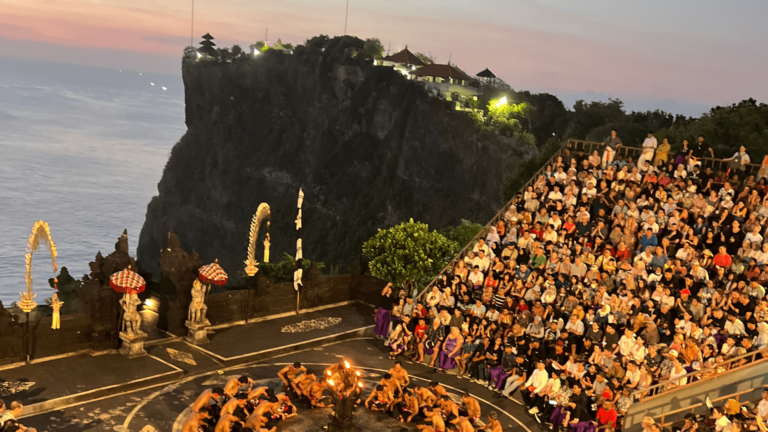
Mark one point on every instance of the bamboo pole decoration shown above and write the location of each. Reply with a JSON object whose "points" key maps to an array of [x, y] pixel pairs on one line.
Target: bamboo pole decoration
{"points": [[40, 233], [297, 275], [251, 265]]}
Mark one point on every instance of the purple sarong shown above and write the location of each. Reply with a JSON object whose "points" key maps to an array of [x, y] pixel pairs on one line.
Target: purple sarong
{"points": [[498, 377], [447, 362], [583, 426], [382, 323], [557, 416]]}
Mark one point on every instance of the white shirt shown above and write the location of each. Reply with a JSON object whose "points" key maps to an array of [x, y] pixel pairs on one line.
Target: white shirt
{"points": [[626, 345], [762, 408], [476, 278], [538, 380], [578, 326], [650, 144], [723, 424]]}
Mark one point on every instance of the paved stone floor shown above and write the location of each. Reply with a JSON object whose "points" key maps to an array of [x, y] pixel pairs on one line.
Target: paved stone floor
{"points": [[157, 409]]}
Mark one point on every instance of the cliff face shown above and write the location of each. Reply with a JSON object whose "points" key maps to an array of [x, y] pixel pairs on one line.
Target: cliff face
{"points": [[369, 148]]}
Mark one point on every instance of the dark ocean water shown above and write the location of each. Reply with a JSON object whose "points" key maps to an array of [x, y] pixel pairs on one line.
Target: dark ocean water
{"points": [[83, 149]]}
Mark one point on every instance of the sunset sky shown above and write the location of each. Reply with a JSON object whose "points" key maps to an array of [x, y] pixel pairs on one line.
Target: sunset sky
{"points": [[698, 52]]}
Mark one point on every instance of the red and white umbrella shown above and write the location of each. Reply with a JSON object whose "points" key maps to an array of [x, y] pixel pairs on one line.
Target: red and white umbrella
{"points": [[212, 274], [127, 282]]}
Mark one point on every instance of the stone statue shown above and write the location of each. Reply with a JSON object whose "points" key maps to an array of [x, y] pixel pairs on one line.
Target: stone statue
{"points": [[131, 317], [266, 248], [56, 305], [197, 308]]}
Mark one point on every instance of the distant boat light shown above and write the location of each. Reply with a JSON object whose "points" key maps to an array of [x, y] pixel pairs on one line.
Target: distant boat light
{"points": [[152, 83], [167, 89]]}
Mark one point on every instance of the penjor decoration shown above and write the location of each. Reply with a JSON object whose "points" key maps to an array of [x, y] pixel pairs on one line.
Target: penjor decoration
{"points": [[251, 265], [40, 233], [297, 275]]}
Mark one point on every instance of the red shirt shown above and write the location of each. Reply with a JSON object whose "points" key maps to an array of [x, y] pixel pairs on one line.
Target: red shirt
{"points": [[420, 331], [621, 255], [722, 260], [606, 417]]}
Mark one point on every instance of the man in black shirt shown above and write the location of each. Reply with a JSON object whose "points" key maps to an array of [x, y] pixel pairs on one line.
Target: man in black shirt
{"points": [[611, 338], [701, 149]]}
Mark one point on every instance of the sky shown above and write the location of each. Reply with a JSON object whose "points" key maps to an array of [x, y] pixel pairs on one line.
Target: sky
{"points": [[683, 55]]}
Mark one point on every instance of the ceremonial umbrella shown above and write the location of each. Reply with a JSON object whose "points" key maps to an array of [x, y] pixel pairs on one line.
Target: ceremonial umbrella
{"points": [[212, 273], [127, 282]]}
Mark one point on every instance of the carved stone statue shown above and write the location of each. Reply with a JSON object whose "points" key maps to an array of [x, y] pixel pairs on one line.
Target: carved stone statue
{"points": [[266, 248], [131, 317], [56, 305], [197, 307]]}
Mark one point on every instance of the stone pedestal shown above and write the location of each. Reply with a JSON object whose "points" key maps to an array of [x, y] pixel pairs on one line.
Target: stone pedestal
{"points": [[197, 333], [133, 345]]}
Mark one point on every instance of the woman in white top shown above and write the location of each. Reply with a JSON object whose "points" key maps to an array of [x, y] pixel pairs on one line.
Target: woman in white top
{"points": [[676, 375]]}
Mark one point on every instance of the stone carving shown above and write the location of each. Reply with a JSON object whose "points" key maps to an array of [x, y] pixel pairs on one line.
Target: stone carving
{"points": [[197, 307], [308, 325], [56, 305], [178, 273], [131, 317]]}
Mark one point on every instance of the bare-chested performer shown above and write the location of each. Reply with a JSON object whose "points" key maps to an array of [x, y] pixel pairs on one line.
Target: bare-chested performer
{"points": [[284, 406], [436, 418], [408, 406], [448, 408], [426, 398], [493, 424], [194, 422], [470, 408], [206, 397], [316, 398], [438, 390], [463, 424], [235, 384], [400, 375], [226, 422], [380, 399], [301, 383], [236, 406], [391, 383], [288, 373]]}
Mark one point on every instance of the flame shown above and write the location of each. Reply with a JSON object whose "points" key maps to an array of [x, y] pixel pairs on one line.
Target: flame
{"points": [[328, 372], [357, 373], [360, 384], [331, 382], [346, 364]]}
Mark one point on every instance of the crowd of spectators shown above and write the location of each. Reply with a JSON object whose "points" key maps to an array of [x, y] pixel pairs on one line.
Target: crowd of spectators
{"points": [[600, 281]]}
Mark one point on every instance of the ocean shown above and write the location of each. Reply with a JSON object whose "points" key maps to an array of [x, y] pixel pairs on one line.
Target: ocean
{"points": [[83, 149]]}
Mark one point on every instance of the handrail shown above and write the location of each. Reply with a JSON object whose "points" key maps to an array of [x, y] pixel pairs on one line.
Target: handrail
{"points": [[692, 408], [713, 372], [493, 221], [586, 147]]}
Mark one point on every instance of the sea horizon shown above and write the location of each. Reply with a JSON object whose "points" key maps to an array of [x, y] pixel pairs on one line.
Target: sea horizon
{"points": [[83, 149]]}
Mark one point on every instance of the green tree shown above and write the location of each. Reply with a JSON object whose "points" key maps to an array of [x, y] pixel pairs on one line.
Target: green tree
{"points": [[283, 271], [408, 253], [463, 233], [427, 59], [372, 48], [237, 52], [259, 46], [589, 115]]}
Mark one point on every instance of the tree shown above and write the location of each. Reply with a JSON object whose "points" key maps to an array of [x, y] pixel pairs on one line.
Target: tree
{"points": [[237, 52], [427, 59], [259, 46], [408, 253], [463, 233], [283, 271], [589, 115], [372, 48]]}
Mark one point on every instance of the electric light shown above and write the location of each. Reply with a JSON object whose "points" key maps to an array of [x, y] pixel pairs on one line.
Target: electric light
{"points": [[149, 303], [502, 101]]}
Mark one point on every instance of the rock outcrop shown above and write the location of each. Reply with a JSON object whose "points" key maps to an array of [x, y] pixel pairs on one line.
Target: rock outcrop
{"points": [[369, 148]]}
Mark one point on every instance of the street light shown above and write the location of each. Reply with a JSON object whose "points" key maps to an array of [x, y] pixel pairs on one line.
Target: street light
{"points": [[502, 101]]}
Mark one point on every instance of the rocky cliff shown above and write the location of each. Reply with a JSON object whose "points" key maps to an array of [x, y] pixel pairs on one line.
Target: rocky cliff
{"points": [[369, 148]]}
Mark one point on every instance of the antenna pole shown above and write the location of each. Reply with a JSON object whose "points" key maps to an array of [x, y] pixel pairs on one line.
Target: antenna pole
{"points": [[192, 32], [346, 15]]}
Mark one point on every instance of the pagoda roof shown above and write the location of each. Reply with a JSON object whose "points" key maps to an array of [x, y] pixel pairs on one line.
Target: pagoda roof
{"points": [[441, 71], [486, 74], [405, 56], [207, 36]]}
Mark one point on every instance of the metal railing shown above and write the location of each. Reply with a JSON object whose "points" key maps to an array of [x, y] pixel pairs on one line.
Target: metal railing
{"points": [[493, 221], [702, 375], [574, 147], [678, 415]]}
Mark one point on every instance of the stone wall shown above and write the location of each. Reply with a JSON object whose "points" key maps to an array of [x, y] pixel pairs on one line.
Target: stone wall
{"points": [[74, 335], [266, 298]]}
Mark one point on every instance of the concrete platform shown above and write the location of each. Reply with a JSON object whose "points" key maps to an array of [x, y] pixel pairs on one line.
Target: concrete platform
{"points": [[258, 340], [77, 379], [74, 379]]}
